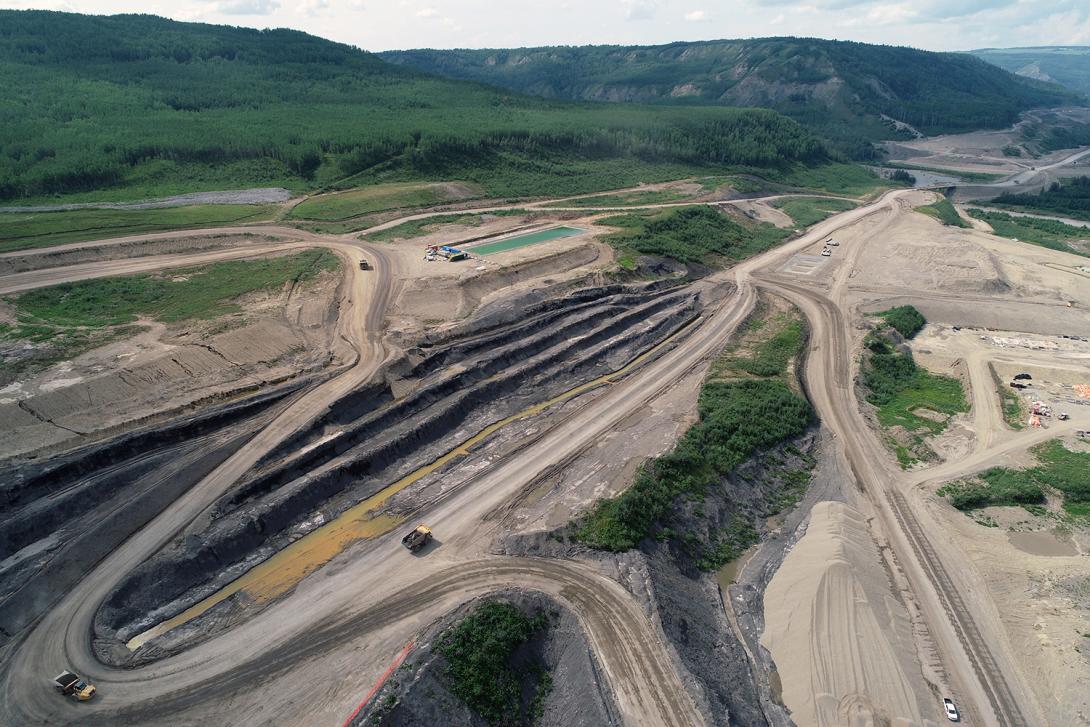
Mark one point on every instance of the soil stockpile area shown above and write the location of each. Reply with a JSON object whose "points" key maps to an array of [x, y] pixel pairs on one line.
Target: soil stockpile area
{"points": [[843, 646], [76, 254], [142, 371], [419, 692], [457, 388]]}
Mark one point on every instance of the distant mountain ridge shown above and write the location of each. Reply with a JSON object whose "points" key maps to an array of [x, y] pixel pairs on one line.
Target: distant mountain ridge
{"points": [[159, 107], [847, 91], [1066, 65]]}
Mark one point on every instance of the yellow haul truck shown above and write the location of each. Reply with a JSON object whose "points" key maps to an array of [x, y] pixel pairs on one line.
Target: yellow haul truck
{"points": [[418, 538], [71, 684]]}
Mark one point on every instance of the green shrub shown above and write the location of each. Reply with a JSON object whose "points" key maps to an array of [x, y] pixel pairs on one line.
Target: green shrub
{"points": [[905, 319], [479, 669], [698, 234], [737, 419]]}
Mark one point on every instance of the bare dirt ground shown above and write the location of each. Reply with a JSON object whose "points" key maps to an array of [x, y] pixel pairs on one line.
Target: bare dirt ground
{"points": [[980, 151], [841, 640], [278, 335]]}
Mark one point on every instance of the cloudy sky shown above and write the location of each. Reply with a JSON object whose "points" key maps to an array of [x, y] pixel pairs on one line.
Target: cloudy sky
{"points": [[389, 24]]}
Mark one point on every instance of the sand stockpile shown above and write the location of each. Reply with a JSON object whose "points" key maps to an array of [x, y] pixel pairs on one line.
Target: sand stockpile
{"points": [[841, 642]]}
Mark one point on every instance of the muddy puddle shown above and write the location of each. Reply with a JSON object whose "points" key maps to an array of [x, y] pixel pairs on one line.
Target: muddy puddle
{"points": [[726, 575], [1043, 542]]}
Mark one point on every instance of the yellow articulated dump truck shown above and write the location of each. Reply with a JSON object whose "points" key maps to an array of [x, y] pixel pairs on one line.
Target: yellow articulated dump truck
{"points": [[418, 538], [72, 685]]}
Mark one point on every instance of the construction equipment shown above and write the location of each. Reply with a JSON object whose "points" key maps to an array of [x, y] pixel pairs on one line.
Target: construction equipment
{"points": [[364, 265], [826, 252], [452, 254], [71, 684], [1064, 416], [418, 538]]}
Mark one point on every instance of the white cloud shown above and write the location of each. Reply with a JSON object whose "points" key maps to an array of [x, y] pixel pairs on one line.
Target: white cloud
{"points": [[427, 13], [697, 16], [639, 9], [312, 7], [247, 7]]}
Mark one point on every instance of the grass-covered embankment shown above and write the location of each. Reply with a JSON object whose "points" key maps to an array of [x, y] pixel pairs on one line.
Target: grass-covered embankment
{"points": [[1059, 470], [1053, 234], [482, 668], [697, 234], [63, 321], [25, 230], [944, 212], [806, 211], [746, 406], [910, 402], [416, 228]]}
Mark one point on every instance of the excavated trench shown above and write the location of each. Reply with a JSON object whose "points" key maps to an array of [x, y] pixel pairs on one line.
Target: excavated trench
{"points": [[458, 388]]}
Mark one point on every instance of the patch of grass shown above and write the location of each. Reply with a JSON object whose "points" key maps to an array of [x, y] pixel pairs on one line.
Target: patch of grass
{"points": [[25, 230], [342, 206], [850, 179], [480, 668], [1011, 403], [628, 199], [996, 486], [771, 356], [416, 228], [810, 211], [1059, 470], [697, 234], [905, 319], [944, 212], [179, 295], [901, 392], [1052, 234]]}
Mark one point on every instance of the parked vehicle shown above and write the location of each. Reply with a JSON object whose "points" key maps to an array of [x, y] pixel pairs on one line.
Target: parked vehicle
{"points": [[1022, 377], [951, 710], [826, 252], [71, 684]]}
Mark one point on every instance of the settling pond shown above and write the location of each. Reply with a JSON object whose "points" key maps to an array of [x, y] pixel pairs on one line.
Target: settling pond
{"points": [[530, 238]]}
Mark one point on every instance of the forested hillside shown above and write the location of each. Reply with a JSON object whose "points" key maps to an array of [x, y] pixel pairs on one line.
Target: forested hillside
{"points": [[840, 89], [141, 105], [1066, 65]]}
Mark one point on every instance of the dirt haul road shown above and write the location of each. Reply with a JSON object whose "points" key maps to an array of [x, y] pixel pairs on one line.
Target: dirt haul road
{"points": [[647, 694]]}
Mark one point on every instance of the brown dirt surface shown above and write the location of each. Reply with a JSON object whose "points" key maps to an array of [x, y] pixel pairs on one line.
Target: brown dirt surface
{"points": [[842, 643], [161, 369]]}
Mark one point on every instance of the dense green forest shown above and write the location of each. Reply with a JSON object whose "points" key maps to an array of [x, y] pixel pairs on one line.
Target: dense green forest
{"points": [[143, 105], [1070, 198], [840, 89], [1066, 65]]}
